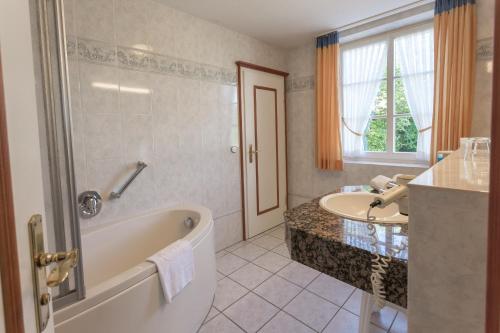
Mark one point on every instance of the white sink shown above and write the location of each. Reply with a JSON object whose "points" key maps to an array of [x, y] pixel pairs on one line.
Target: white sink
{"points": [[355, 205]]}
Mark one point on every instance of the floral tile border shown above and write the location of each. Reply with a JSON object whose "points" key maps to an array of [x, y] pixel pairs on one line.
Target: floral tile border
{"points": [[129, 58], [107, 54], [484, 49], [300, 83]]}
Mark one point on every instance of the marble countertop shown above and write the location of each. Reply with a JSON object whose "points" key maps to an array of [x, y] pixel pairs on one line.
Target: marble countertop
{"points": [[341, 248], [455, 173]]}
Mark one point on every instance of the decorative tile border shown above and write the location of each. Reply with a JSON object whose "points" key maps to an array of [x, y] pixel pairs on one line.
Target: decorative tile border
{"points": [[129, 58], [96, 52], [484, 49], [301, 83], [106, 54]]}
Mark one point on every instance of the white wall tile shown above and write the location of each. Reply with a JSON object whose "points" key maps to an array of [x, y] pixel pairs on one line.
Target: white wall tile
{"points": [[131, 23], [161, 28], [228, 230], [95, 20], [481, 118], [485, 11], [143, 106], [135, 92], [103, 134], [295, 200], [99, 88], [69, 17], [188, 37], [138, 137]]}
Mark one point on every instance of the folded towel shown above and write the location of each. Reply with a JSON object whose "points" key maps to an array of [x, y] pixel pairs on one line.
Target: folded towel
{"points": [[175, 265], [380, 182]]}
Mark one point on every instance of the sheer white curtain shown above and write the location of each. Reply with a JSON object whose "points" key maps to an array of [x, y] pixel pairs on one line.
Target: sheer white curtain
{"points": [[362, 72], [414, 53]]}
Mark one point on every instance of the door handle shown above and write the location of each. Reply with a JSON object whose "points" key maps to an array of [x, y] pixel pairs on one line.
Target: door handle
{"points": [[251, 153], [65, 261]]}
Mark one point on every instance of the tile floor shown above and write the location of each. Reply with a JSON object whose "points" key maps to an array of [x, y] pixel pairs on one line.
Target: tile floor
{"points": [[260, 289]]}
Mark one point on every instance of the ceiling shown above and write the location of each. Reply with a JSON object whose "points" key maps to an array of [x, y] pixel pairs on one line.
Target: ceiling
{"points": [[285, 23]]}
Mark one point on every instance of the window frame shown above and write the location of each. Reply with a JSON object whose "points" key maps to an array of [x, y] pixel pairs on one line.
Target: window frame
{"points": [[387, 157]]}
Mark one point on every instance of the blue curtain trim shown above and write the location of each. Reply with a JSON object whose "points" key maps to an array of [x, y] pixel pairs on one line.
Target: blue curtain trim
{"points": [[447, 5], [328, 39]]}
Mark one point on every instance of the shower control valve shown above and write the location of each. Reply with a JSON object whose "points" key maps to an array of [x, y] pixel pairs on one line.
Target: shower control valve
{"points": [[89, 204]]}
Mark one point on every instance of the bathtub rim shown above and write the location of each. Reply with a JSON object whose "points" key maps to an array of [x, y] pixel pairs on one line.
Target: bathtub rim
{"points": [[135, 274]]}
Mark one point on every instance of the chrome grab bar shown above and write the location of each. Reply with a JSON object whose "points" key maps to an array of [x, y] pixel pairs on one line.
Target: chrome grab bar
{"points": [[116, 195]]}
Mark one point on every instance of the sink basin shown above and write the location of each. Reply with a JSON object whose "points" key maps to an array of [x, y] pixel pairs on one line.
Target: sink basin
{"points": [[355, 205]]}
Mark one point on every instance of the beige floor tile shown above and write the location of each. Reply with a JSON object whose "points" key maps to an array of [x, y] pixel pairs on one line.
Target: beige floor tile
{"points": [[400, 324], [282, 250], [249, 252], [278, 291], [278, 232], [284, 323], [227, 293], [346, 322], [221, 254], [268, 242], [251, 312], [229, 263], [272, 262], [220, 324], [311, 310], [250, 275], [383, 318], [298, 273], [332, 289], [236, 246]]}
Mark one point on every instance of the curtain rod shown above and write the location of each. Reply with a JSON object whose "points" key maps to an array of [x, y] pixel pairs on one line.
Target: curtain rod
{"points": [[392, 15]]}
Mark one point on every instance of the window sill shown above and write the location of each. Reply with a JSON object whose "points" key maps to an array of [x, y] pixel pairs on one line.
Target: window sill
{"points": [[395, 164]]}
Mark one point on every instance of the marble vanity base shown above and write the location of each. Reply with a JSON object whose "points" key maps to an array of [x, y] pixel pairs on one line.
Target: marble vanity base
{"points": [[341, 248]]}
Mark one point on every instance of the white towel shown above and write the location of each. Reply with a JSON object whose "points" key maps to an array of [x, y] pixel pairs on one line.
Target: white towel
{"points": [[175, 265], [380, 182]]}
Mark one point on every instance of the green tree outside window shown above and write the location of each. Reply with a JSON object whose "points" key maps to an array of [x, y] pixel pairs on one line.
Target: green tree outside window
{"points": [[405, 132]]}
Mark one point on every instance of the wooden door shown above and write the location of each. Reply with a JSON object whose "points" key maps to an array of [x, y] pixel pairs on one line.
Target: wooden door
{"points": [[262, 103]]}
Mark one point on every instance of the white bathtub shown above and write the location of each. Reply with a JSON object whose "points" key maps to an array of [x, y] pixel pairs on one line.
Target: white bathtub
{"points": [[123, 292]]}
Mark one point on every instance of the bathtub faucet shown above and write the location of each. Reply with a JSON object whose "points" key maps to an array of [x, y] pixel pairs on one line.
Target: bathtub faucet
{"points": [[189, 223]]}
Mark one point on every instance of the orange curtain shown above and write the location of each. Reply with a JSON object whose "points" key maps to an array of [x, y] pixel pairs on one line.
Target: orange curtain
{"points": [[454, 73], [328, 140]]}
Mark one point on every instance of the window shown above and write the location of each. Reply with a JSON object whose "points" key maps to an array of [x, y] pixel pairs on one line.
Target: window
{"points": [[387, 96]]}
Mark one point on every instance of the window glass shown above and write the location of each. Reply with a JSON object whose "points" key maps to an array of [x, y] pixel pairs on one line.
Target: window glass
{"points": [[391, 131], [405, 134], [376, 135]]}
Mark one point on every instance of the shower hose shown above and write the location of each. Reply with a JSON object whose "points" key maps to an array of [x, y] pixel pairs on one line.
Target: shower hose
{"points": [[379, 263]]}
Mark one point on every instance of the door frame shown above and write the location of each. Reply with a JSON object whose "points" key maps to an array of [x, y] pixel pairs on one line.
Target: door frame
{"points": [[9, 263], [493, 274], [243, 64]]}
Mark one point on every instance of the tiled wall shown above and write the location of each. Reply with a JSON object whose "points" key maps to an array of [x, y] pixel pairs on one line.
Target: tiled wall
{"points": [[481, 122], [154, 84], [305, 181]]}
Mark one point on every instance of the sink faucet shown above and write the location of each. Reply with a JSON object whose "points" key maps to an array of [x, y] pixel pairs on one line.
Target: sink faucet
{"points": [[398, 194]]}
